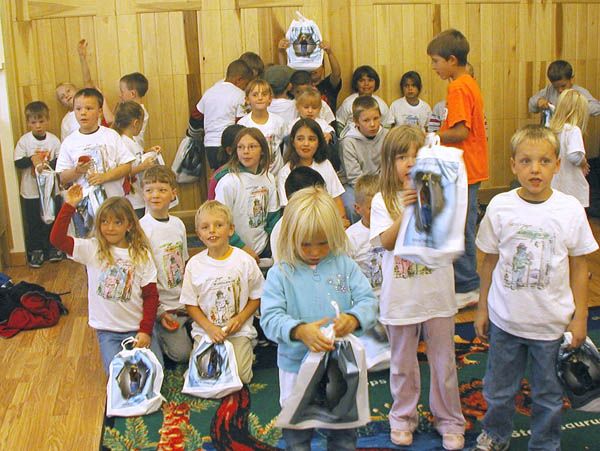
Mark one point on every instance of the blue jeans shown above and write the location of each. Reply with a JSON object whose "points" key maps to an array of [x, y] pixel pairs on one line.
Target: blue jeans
{"points": [[110, 346], [348, 201], [506, 364], [299, 439], [465, 267]]}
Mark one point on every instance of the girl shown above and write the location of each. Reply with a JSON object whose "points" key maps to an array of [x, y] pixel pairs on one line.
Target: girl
{"points": [[365, 81], [569, 122], [122, 294], [414, 300], [409, 109], [223, 155], [296, 302], [248, 189], [129, 119]]}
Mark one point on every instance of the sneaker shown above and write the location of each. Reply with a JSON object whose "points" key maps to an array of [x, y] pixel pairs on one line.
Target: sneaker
{"points": [[453, 441], [54, 255], [401, 438], [487, 443], [36, 259], [464, 300]]}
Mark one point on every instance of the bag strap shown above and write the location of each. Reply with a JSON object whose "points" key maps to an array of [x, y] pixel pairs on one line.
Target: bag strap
{"points": [[128, 341], [432, 139]]}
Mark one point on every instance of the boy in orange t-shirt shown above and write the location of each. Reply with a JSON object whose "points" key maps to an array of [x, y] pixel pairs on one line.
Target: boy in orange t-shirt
{"points": [[464, 128]]}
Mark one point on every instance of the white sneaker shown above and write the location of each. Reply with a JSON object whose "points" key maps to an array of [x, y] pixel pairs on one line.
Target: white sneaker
{"points": [[469, 299]]}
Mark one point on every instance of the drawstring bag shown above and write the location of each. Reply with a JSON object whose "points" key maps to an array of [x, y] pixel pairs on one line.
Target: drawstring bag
{"points": [[377, 351], [331, 389], [304, 52], [212, 371], [432, 232], [134, 382], [45, 178], [187, 164], [85, 212]]}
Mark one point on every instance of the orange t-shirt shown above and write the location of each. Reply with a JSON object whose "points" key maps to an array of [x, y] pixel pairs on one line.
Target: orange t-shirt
{"points": [[465, 104]]}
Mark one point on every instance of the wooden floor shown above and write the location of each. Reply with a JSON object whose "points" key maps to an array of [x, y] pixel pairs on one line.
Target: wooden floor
{"points": [[53, 387]]}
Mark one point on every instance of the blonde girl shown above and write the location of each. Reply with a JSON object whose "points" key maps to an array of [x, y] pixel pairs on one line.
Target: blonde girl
{"points": [[414, 300], [313, 270], [122, 293], [569, 122], [129, 119], [248, 189]]}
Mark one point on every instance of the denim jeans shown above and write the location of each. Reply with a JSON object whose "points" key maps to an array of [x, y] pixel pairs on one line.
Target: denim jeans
{"points": [[348, 201], [110, 346], [465, 267], [299, 439], [507, 360]]}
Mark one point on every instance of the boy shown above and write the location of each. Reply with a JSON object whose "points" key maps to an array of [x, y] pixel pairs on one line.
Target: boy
{"points": [[220, 106], [464, 128], [134, 87], [534, 282], [34, 148], [361, 148], [279, 79], [168, 240], [222, 286], [560, 75]]}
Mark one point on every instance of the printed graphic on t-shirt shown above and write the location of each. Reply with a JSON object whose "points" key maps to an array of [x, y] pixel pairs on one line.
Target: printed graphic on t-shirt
{"points": [[411, 119], [405, 269], [172, 263], [257, 206], [225, 296], [532, 255], [116, 281], [375, 275]]}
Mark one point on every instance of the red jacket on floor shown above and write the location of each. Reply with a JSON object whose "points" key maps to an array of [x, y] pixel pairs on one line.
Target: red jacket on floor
{"points": [[36, 311]]}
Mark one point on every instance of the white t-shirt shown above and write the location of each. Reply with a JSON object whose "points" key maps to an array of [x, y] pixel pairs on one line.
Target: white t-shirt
{"points": [[326, 112], [140, 137], [332, 181], [219, 104], [169, 248], [368, 255], [106, 149], [114, 291], [570, 178], [274, 131], [136, 196], [26, 147], [284, 108], [250, 197], [325, 127], [221, 288], [410, 293], [273, 241], [344, 113], [530, 295], [68, 125], [403, 113]]}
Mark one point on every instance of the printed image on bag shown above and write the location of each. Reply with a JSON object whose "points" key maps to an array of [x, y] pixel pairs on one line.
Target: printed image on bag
{"points": [[304, 52], [83, 218]]}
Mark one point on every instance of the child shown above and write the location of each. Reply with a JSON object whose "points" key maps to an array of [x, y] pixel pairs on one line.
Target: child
{"points": [[34, 148], [255, 63], [524, 312], [414, 300], [248, 189], [279, 79], [560, 75], [134, 87], [308, 104], [569, 122], [409, 109], [302, 80], [313, 271], [365, 82], [128, 120], [361, 147], [464, 128], [122, 295], [219, 107], [222, 287], [93, 155], [64, 94], [259, 95], [224, 155], [168, 240]]}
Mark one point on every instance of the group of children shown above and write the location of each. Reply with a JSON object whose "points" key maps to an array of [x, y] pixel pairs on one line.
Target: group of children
{"points": [[534, 238]]}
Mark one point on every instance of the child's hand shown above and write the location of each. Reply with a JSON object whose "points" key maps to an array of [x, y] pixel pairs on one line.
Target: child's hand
{"points": [[39, 157], [97, 178], [578, 327], [326, 46], [82, 48], [482, 323], [345, 324], [409, 196], [143, 340], [156, 149], [233, 325], [251, 252], [169, 322], [147, 163], [328, 137], [346, 222], [283, 44], [216, 333], [83, 166], [585, 167], [543, 104], [310, 334], [74, 195]]}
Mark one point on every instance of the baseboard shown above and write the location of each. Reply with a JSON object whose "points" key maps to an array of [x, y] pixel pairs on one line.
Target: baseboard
{"points": [[17, 259]]}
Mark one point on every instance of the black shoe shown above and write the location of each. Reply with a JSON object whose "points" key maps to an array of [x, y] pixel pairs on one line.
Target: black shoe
{"points": [[54, 255], [36, 259]]}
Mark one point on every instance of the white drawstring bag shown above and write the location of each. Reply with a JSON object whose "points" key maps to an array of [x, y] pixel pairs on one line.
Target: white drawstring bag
{"points": [[134, 382], [212, 371], [377, 352], [187, 164], [432, 232], [304, 52], [45, 178]]}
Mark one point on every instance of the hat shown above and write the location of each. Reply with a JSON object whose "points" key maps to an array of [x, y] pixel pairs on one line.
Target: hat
{"points": [[278, 77]]}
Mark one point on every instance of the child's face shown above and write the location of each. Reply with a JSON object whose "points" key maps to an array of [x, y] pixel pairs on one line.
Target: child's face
{"points": [[404, 163], [442, 66], [368, 122], [365, 86], [297, 89], [363, 209], [65, 94], [249, 153], [214, 230], [38, 125], [534, 164], [114, 230], [315, 249], [158, 196], [410, 90], [309, 109], [259, 98], [87, 112], [562, 84], [125, 93], [306, 143]]}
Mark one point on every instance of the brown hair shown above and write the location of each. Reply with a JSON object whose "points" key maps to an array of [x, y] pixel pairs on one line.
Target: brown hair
{"points": [[37, 109], [362, 104], [449, 43], [265, 153], [159, 174], [137, 82], [125, 114]]}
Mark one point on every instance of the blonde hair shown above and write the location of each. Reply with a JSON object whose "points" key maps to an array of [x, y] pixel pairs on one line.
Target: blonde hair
{"points": [[397, 142], [572, 108], [366, 186], [535, 133], [139, 247], [259, 83], [310, 211], [213, 207], [308, 95]]}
